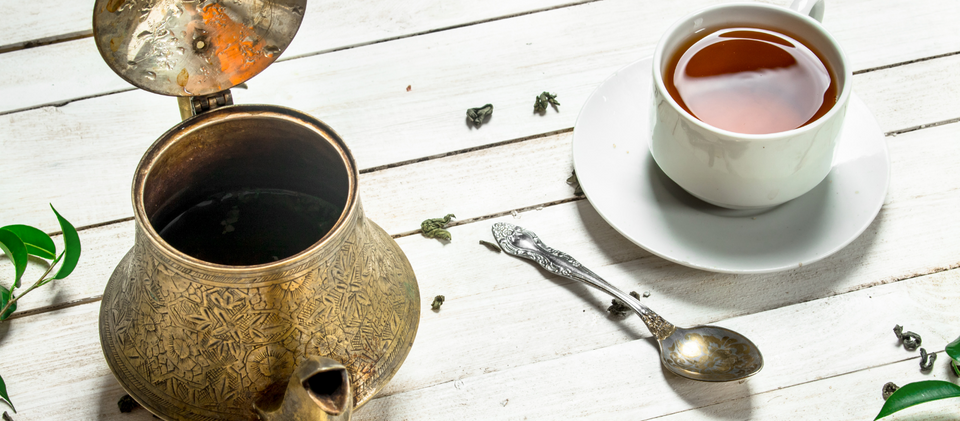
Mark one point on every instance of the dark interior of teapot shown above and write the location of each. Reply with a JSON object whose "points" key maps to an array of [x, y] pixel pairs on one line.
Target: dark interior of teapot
{"points": [[246, 188]]}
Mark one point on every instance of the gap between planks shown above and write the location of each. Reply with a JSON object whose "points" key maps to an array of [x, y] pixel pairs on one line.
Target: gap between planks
{"points": [[86, 34], [892, 133], [905, 277], [800, 384], [24, 45]]}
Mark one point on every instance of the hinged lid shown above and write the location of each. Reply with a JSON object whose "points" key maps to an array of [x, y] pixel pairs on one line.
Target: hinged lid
{"points": [[193, 47]]}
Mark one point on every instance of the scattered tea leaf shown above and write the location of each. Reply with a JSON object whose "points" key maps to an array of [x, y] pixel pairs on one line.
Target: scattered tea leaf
{"points": [[491, 246], [888, 390], [434, 228], [71, 247], [910, 340], [572, 180], [437, 302], [38, 242], [926, 360], [619, 308], [916, 393], [409, 87], [543, 100], [14, 248], [7, 417], [127, 404], [5, 396], [479, 114]]}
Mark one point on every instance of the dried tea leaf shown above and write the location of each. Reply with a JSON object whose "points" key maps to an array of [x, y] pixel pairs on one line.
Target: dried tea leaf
{"points": [[910, 340], [127, 404], [888, 389], [543, 100], [437, 302], [572, 180], [434, 228], [619, 308], [491, 246], [926, 360], [479, 114]]}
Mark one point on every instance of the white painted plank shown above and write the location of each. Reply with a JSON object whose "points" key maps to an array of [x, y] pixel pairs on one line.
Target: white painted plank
{"points": [[524, 174], [327, 24], [486, 289], [801, 343], [869, 32], [891, 93], [54, 368], [851, 396], [45, 21], [37, 76], [81, 156], [476, 348]]}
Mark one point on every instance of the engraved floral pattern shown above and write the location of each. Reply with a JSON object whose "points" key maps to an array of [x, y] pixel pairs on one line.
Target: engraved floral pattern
{"points": [[202, 346]]}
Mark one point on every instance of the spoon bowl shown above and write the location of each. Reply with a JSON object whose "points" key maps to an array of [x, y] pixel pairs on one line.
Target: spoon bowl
{"points": [[704, 353]]}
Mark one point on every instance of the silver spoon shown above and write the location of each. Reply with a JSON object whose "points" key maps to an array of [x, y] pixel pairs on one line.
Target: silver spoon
{"points": [[706, 353]]}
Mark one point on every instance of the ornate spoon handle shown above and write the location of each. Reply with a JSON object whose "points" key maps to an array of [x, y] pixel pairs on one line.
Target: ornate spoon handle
{"points": [[520, 242]]}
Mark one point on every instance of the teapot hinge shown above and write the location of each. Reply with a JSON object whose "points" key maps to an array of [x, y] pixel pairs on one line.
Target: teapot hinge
{"points": [[193, 105]]}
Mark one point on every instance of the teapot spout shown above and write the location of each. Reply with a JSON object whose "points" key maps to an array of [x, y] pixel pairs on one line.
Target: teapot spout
{"points": [[319, 389]]}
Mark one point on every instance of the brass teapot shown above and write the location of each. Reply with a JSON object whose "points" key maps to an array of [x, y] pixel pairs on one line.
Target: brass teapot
{"points": [[308, 335]]}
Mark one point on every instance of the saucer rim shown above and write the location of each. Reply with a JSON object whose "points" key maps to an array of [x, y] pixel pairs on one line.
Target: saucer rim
{"points": [[864, 222]]}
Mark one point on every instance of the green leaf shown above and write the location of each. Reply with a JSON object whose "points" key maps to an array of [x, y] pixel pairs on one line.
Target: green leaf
{"points": [[3, 394], [953, 349], [5, 297], [38, 242], [16, 251], [71, 247], [916, 393]]}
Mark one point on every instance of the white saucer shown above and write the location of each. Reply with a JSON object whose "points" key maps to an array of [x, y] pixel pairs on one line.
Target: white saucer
{"points": [[628, 189]]}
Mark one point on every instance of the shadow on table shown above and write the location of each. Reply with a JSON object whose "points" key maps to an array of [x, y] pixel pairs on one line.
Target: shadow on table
{"points": [[737, 294], [727, 400], [109, 394], [633, 331]]}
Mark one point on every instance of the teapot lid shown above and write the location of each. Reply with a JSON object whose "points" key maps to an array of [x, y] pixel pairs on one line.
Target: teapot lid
{"points": [[193, 47]]}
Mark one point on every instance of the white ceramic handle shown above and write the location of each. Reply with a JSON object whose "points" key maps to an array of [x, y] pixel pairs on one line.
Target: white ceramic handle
{"points": [[812, 8]]}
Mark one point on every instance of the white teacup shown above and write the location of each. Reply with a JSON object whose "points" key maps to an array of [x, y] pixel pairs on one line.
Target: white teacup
{"points": [[747, 171]]}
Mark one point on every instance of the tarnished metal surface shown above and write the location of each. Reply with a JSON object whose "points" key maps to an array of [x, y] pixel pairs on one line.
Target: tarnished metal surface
{"points": [[318, 390], [705, 353], [192, 340], [188, 48]]}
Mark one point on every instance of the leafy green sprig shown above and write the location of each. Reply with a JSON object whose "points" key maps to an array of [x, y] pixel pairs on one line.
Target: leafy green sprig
{"points": [[925, 391], [19, 242]]}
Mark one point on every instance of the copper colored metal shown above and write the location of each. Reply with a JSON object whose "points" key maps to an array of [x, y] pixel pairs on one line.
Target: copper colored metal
{"points": [[193, 47]]}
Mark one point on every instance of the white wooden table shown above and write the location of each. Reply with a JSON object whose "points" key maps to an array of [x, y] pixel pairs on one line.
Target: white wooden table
{"points": [[511, 341]]}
